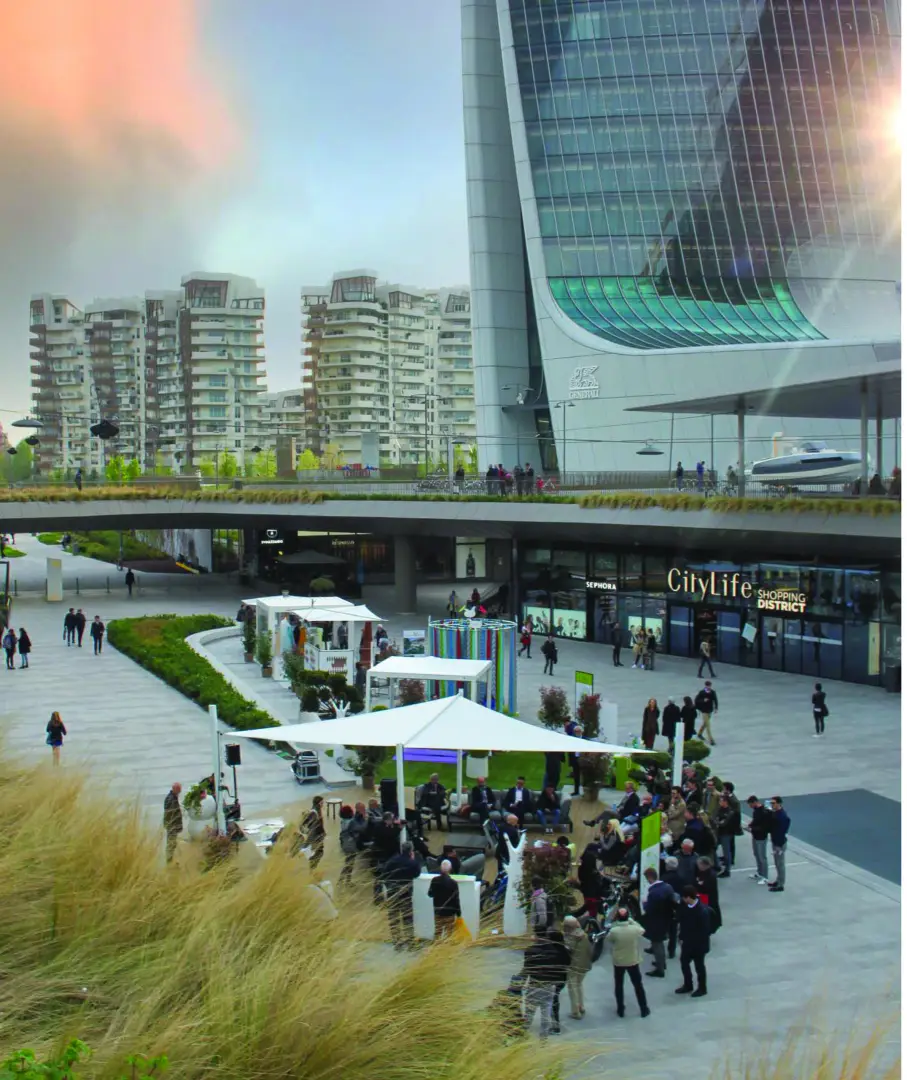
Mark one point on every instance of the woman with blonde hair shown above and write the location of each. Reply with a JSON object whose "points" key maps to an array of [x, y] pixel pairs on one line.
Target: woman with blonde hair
{"points": [[56, 729], [613, 845]]}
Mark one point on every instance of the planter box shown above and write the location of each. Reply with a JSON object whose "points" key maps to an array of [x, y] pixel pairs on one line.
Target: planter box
{"points": [[197, 821], [476, 766]]}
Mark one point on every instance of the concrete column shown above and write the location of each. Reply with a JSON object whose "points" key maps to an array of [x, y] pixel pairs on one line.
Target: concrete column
{"points": [[741, 452], [879, 433], [864, 439], [515, 599], [405, 575]]}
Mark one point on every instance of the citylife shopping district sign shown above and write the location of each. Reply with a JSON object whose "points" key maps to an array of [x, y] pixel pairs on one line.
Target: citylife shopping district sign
{"points": [[729, 586], [583, 383]]}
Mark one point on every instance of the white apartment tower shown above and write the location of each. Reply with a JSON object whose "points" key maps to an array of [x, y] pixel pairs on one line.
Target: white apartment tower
{"points": [[179, 372], [386, 370]]}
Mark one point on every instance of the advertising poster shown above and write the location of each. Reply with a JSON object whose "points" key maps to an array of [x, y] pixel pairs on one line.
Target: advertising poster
{"points": [[413, 642], [583, 684], [570, 623], [650, 850], [470, 559], [540, 618], [607, 723]]}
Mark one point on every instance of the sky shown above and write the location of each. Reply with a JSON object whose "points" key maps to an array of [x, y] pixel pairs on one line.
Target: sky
{"points": [[284, 140]]}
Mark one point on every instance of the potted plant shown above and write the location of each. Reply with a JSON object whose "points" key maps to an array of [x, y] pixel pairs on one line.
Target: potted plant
{"points": [[554, 711], [477, 763], [594, 770], [552, 864], [411, 691], [368, 760], [588, 713], [309, 705], [248, 640], [264, 653], [200, 808]]}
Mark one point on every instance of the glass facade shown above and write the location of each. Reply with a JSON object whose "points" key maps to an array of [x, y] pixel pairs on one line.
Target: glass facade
{"points": [[685, 155], [850, 628]]}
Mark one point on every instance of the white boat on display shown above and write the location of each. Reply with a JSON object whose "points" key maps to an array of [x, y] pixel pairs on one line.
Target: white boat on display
{"points": [[813, 463]]}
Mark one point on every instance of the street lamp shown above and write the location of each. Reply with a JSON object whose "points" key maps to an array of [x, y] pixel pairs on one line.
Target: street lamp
{"points": [[563, 405]]}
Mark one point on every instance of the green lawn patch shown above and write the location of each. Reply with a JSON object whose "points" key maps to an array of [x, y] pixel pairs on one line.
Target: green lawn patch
{"points": [[12, 553], [501, 771], [50, 538]]}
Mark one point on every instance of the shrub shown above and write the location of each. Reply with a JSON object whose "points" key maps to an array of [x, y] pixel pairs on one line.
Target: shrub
{"points": [[588, 713], [661, 759], [158, 644], [369, 759], [594, 769], [411, 691], [264, 652], [552, 864], [50, 538], [554, 711], [248, 637], [695, 750]]}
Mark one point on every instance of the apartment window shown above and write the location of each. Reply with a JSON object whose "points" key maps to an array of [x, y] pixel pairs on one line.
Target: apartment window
{"points": [[217, 380], [217, 395], [216, 410]]}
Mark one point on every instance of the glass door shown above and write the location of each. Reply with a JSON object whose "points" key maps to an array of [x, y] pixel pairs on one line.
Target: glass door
{"points": [[680, 630], [793, 645], [772, 643]]}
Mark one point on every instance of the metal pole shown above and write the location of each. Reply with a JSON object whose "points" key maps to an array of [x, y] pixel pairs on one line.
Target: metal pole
{"points": [[215, 757], [712, 445], [864, 439], [671, 451], [401, 793], [741, 440], [564, 458], [879, 439]]}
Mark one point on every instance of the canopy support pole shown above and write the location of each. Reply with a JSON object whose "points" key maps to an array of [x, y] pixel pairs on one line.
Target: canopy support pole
{"points": [[368, 690], [459, 776], [864, 439], [401, 793], [677, 778], [741, 450]]}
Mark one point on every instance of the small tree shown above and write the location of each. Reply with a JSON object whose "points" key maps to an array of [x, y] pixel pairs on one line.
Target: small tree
{"points": [[554, 711], [308, 461], [133, 470], [552, 864], [206, 468], [588, 713], [264, 651], [228, 466], [114, 469], [332, 457], [248, 637], [473, 458], [264, 465]]}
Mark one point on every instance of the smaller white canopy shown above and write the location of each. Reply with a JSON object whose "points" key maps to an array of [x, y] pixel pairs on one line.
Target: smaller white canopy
{"points": [[325, 601], [451, 723], [322, 614], [289, 603], [431, 667], [359, 613]]}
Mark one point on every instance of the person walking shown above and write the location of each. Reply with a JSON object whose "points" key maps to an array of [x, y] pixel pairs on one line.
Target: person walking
{"points": [[77, 479], [69, 626], [670, 718], [580, 948], [130, 580], [658, 913], [707, 704], [313, 831], [780, 827], [351, 829], [560, 967], [549, 651], [625, 938], [24, 647], [695, 928], [705, 657], [526, 640], [650, 715], [80, 626], [678, 476], [689, 716], [398, 875], [820, 710], [617, 639], [540, 974], [760, 827], [445, 895], [56, 730], [97, 634], [700, 476], [173, 819], [10, 641]]}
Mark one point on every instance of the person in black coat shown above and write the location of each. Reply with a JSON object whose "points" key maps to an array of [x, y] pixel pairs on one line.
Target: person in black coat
{"points": [[553, 764], [727, 826], [561, 960], [658, 915], [707, 886], [481, 799], [508, 830], [432, 798], [671, 876], [689, 715], [518, 801], [820, 709], [590, 881], [695, 923], [670, 718], [24, 647], [398, 875]]}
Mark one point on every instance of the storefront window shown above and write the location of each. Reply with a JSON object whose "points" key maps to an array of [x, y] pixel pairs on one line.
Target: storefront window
{"points": [[604, 565], [891, 597], [631, 576], [537, 610], [604, 614], [569, 613], [655, 578], [537, 556], [824, 590], [862, 592]]}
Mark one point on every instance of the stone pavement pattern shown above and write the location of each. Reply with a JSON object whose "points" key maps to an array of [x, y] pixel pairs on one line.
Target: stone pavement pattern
{"points": [[823, 957]]}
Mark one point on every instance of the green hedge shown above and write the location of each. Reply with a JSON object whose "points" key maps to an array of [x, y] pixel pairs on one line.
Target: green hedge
{"points": [[622, 500], [158, 644], [51, 538]]}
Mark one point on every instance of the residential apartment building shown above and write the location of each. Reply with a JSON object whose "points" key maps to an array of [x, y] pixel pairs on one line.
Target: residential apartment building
{"points": [[386, 371], [179, 372]]}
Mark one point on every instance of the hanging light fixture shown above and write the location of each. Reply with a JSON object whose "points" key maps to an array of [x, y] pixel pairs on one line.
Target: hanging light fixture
{"points": [[649, 450], [33, 440]]}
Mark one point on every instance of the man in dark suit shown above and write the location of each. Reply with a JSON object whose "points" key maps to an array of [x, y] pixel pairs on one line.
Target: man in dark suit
{"points": [[553, 764], [658, 912], [481, 800], [433, 798], [509, 830], [518, 801], [671, 877], [695, 920]]}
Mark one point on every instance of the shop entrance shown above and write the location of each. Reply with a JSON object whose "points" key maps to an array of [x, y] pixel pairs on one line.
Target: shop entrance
{"points": [[705, 628]]}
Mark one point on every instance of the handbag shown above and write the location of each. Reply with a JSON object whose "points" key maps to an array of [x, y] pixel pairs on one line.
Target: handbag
{"points": [[460, 930]]}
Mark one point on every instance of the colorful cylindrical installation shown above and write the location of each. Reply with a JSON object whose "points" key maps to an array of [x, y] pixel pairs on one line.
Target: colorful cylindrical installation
{"points": [[480, 639]]}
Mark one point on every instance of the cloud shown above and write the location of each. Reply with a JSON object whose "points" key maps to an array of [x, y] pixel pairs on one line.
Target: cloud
{"points": [[115, 137]]}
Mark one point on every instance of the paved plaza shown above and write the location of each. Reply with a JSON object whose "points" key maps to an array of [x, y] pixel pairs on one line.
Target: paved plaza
{"points": [[821, 958]]}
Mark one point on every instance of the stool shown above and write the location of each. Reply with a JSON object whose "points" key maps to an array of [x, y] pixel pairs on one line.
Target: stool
{"points": [[333, 805]]}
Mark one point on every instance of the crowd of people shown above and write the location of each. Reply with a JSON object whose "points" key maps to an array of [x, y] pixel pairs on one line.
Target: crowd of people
{"points": [[521, 480], [694, 718]]}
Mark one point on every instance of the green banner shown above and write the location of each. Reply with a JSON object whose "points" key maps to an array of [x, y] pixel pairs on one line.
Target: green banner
{"points": [[651, 830], [583, 684]]}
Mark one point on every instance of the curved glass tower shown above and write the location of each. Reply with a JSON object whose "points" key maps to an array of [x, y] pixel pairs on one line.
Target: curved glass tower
{"points": [[711, 187]]}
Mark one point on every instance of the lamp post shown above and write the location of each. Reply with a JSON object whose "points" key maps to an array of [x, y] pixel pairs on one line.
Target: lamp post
{"points": [[452, 441], [424, 398], [563, 405]]}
